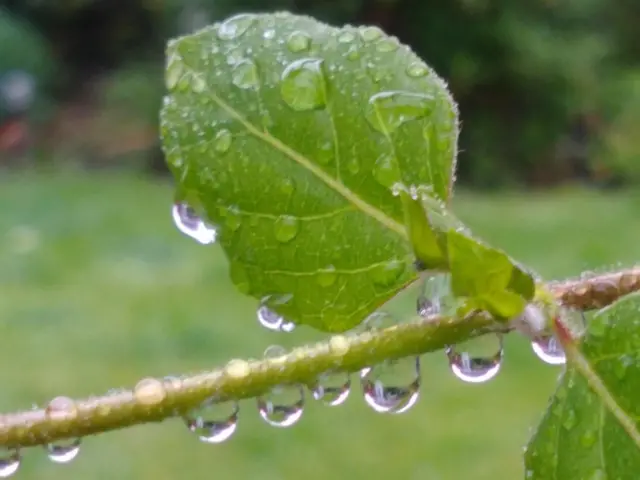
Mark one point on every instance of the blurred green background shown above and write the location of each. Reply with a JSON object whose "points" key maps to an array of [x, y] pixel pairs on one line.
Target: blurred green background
{"points": [[99, 288]]}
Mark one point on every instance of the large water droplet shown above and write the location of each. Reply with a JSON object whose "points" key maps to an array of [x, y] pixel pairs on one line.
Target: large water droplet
{"points": [[189, 223], [385, 274], [9, 462], [213, 422], [386, 111], [388, 44], [346, 37], [298, 42], [327, 276], [198, 84], [286, 228], [476, 369], [303, 85], [245, 75], [436, 297], [235, 26], [61, 409], [332, 389], [63, 451], [369, 34], [392, 386], [386, 171], [417, 69], [272, 320], [174, 71], [549, 350], [283, 405], [222, 141]]}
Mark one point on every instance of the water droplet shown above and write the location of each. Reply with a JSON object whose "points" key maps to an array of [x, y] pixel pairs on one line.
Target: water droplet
{"points": [[149, 391], [388, 44], [392, 386], [346, 37], [386, 171], [569, 420], [9, 462], [436, 297], [61, 409], [353, 53], [475, 369], [286, 228], [298, 42], [198, 85], [269, 34], [63, 451], [549, 350], [369, 34], [174, 72], [287, 186], [353, 165], [232, 217], [417, 69], [189, 223], [386, 111], [332, 389], [272, 320], [385, 274], [303, 85], [245, 75], [327, 276], [239, 277], [222, 141], [213, 422], [588, 439], [235, 26], [278, 410]]}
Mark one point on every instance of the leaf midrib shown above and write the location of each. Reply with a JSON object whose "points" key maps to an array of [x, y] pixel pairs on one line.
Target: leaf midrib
{"points": [[301, 160]]}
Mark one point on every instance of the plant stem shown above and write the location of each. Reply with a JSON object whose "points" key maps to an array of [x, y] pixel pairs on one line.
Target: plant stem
{"points": [[155, 400]]}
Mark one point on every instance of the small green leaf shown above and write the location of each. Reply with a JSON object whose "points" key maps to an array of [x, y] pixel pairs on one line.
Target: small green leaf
{"points": [[592, 427], [290, 135], [487, 276]]}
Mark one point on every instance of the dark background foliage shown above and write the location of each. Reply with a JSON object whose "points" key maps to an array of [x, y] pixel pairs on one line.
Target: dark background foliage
{"points": [[549, 90]]}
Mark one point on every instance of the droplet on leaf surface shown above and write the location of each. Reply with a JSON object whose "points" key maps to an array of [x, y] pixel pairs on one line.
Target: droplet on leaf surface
{"points": [[189, 223]]}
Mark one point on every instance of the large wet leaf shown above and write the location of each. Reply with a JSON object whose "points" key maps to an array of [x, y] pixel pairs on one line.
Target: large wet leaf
{"points": [[591, 430], [296, 140]]}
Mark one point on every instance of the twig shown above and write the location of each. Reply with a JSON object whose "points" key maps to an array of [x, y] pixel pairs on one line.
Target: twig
{"points": [[155, 400]]}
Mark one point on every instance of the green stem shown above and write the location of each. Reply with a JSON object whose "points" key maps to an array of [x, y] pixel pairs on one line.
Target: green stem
{"points": [[154, 400]]}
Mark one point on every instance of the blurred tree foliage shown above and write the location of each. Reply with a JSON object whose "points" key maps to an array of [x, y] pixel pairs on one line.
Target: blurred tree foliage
{"points": [[548, 89]]}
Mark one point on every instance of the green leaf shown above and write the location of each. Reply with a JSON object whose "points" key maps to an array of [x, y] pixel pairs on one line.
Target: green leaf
{"points": [[290, 135], [592, 427]]}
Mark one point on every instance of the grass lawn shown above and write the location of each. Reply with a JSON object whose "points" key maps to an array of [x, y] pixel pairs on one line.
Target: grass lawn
{"points": [[99, 289]]}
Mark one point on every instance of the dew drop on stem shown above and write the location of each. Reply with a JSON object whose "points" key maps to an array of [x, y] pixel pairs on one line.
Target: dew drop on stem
{"points": [[392, 386], [213, 422], [476, 368], [548, 349], [332, 388], [283, 405], [63, 451], [9, 462]]}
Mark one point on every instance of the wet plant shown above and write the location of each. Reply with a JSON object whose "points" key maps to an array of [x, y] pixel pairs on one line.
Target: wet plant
{"points": [[321, 160]]}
